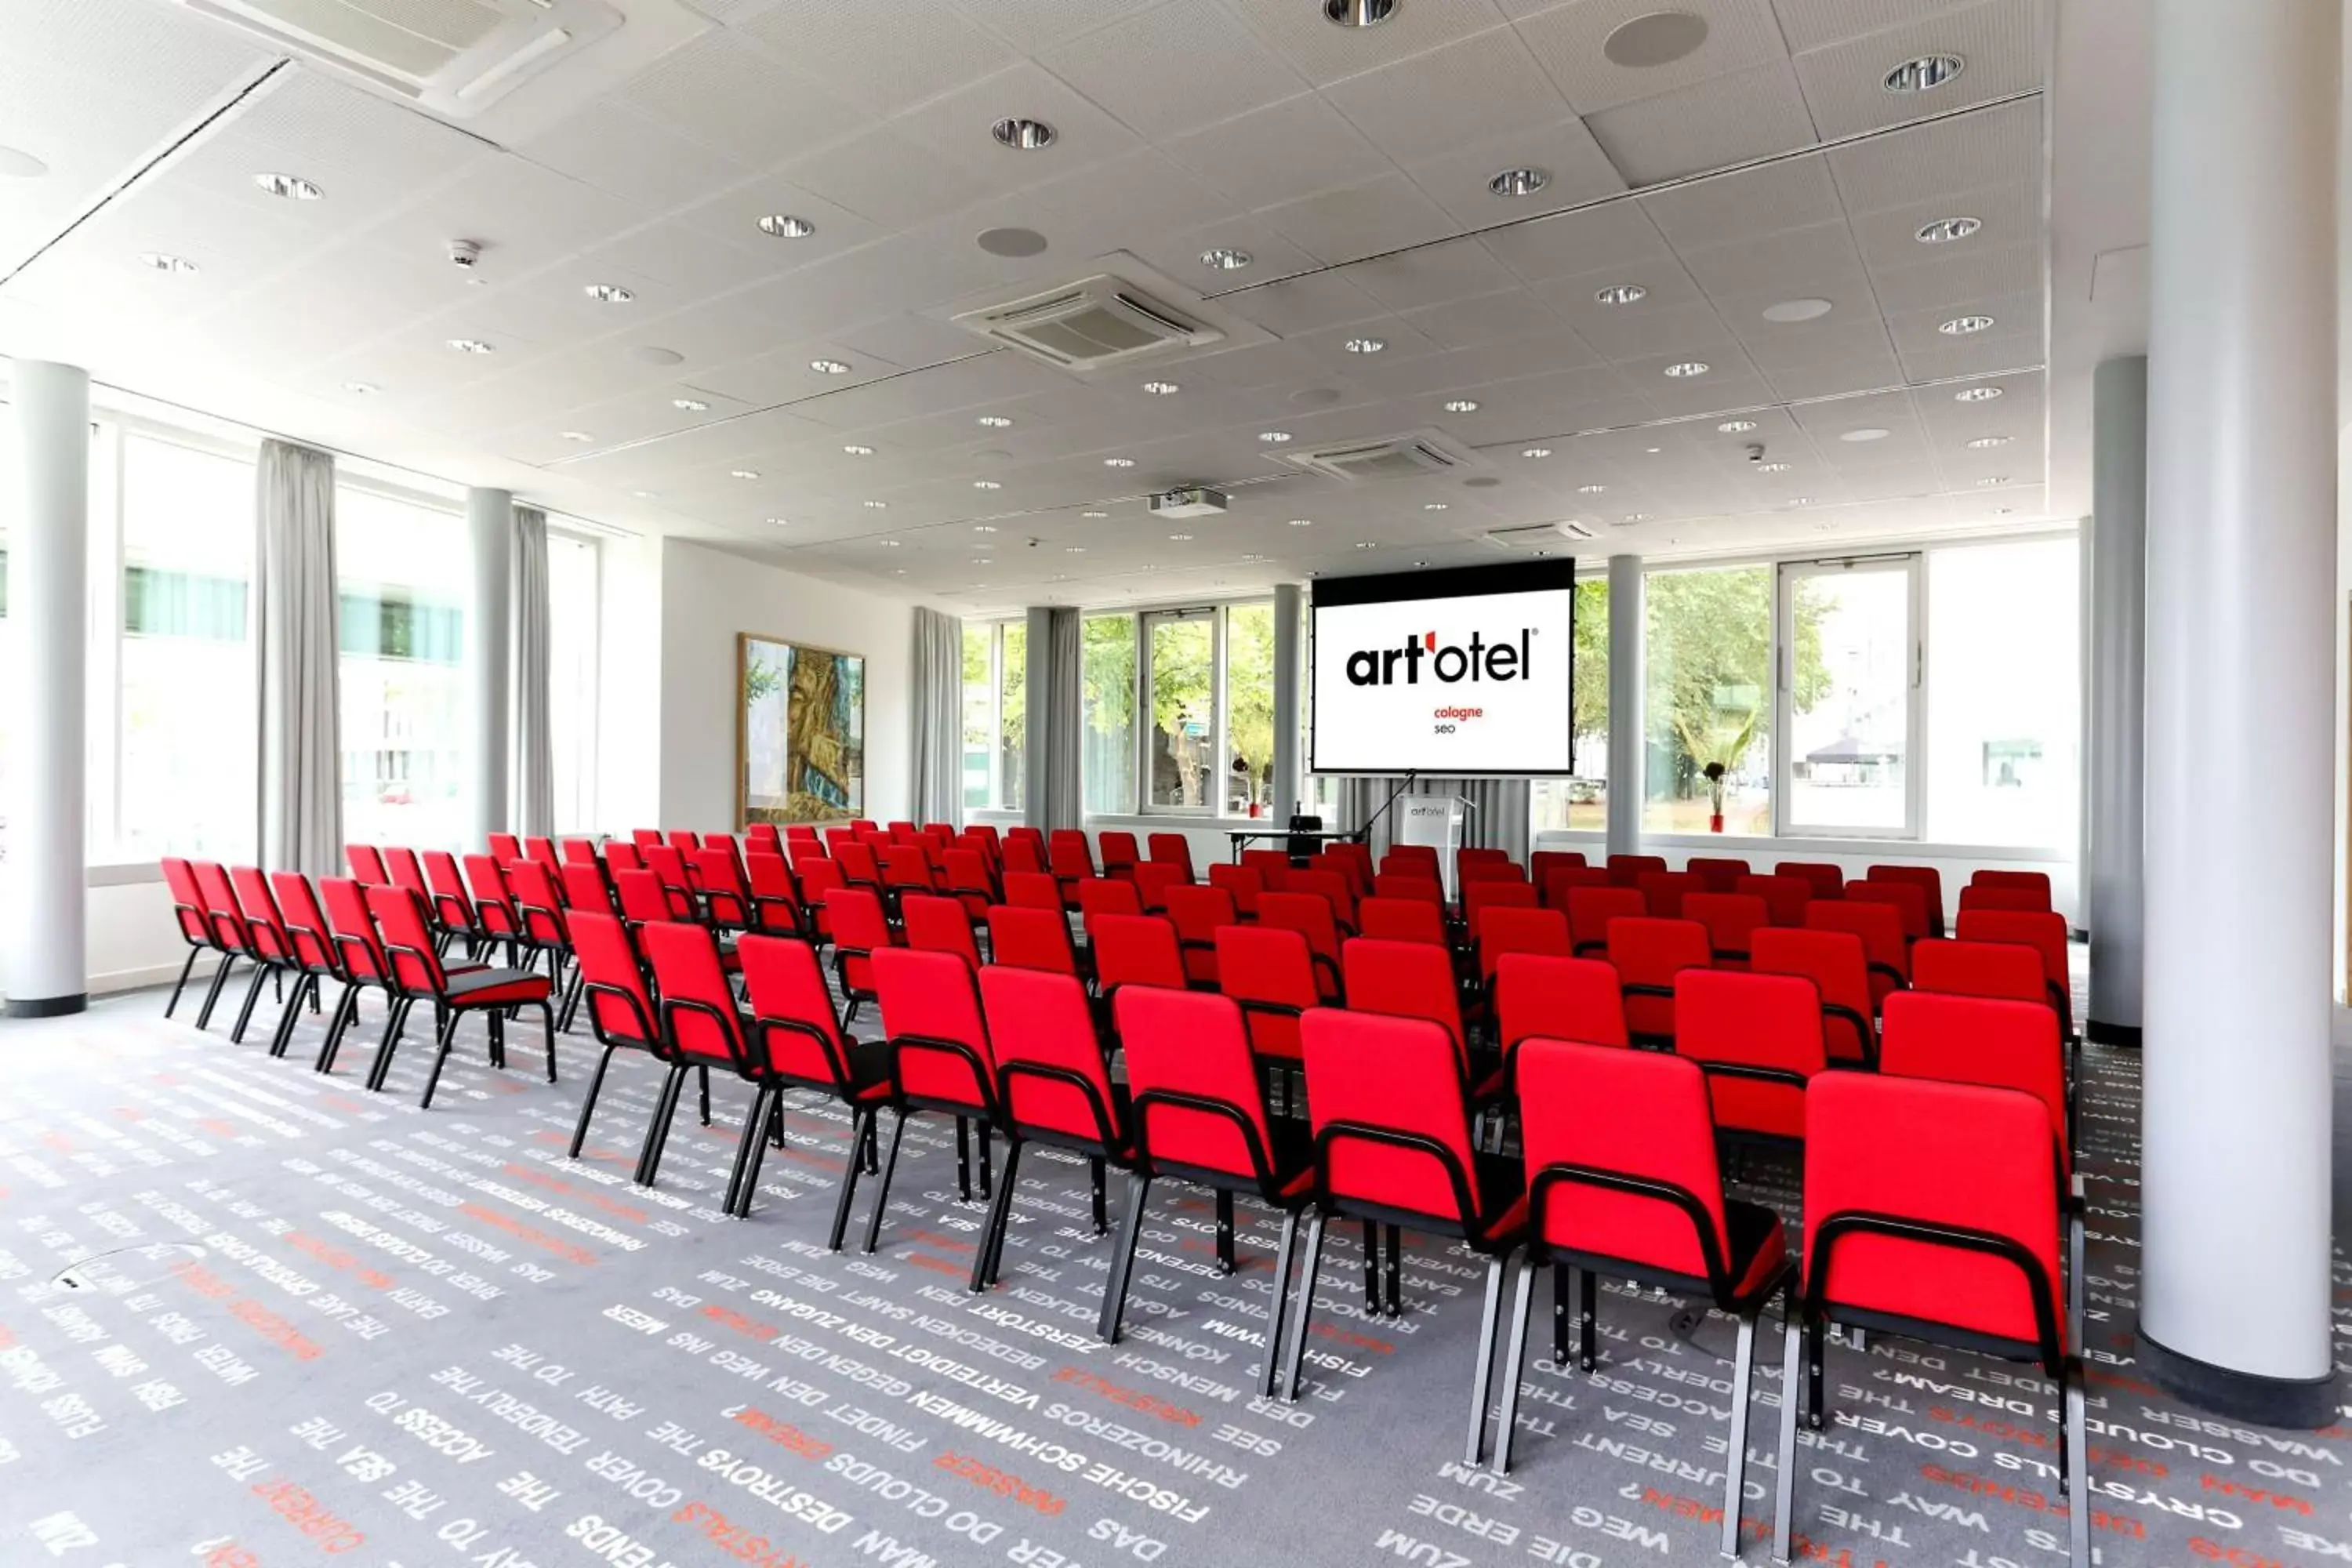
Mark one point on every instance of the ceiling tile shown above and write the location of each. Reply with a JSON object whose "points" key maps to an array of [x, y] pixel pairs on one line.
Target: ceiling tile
{"points": [[1576, 169], [1570, 39], [883, 176], [615, 149], [1379, 215], [1173, 70], [1431, 275], [1467, 91], [1995, 146], [1322, 53], [2001, 40], [1617, 236], [1795, 263], [1285, 151], [884, 58], [954, 129], [1033, 26], [1303, 304], [1814, 23], [722, 91], [1750, 114], [1791, 192]]}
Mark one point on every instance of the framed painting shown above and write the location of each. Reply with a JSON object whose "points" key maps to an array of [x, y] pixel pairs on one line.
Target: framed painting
{"points": [[800, 731]]}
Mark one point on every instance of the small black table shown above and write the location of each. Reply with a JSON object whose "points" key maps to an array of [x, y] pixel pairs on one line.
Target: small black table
{"points": [[1243, 837]]}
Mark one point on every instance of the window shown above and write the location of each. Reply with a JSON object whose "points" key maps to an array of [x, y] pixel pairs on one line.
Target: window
{"points": [[1579, 803], [573, 628], [2002, 731], [1707, 657], [995, 698], [1012, 711], [1249, 710], [1848, 671], [1180, 695], [1106, 765], [405, 571]]}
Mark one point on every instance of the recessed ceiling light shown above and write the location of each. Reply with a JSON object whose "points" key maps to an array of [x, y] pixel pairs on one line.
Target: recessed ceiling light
{"points": [[608, 294], [164, 261], [1653, 451], [983, 528], [1961, 326], [1990, 480], [983, 561], [828, 367], [1924, 74], [1226, 259], [1772, 468], [1161, 388], [1737, 427], [782, 522], [15, 164], [876, 505], [1518, 182], [362, 387], [1976, 394], [1366, 346], [577, 436], [646, 495], [996, 421], [1621, 294], [1073, 550], [1432, 506], [1687, 368], [744, 473], [1302, 523], [784, 226], [1119, 462], [1181, 537], [986, 485], [1462, 405], [1022, 135], [1536, 452], [1786, 311], [898, 571], [472, 346], [2003, 511], [1252, 560], [1637, 517], [1943, 230], [887, 543], [1591, 489], [690, 404], [1274, 437], [1094, 514], [1367, 544], [293, 187], [1360, 13], [1866, 433], [858, 449], [1984, 443], [1801, 501]]}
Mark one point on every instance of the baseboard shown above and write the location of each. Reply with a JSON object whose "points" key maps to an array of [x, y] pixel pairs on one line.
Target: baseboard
{"points": [[2301, 1404], [122, 980], [2113, 1034]]}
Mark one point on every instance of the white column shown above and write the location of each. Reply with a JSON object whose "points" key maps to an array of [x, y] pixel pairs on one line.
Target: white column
{"points": [[489, 518], [2116, 755], [1036, 743], [1289, 671], [1628, 747], [2239, 676], [44, 936]]}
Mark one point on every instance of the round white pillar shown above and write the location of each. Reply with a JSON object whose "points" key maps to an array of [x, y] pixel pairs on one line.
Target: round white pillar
{"points": [[489, 518], [2240, 698], [2117, 753], [1290, 669], [45, 936], [1628, 742]]}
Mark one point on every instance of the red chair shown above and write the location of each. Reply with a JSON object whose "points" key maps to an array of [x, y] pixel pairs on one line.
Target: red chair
{"points": [[668, 863], [1649, 955], [1993, 1041], [2029, 881], [1592, 911], [585, 886], [1506, 931], [1719, 874], [1134, 950], [1623, 1181], [799, 851], [1785, 898], [1067, 856], [542, 851], [367, 865], [1827, 881], [1272, 865], [796, 1044], [937, 925], [578, 851], [1270, 974], [1332, 889], [1198, 913], [641, 837], [313, 941], [965, 876], [1732, 921], [1392, 1148], [546, 924], [1155, 880], [1880, 927], [704, 1028], [1478, 898], [188, 908], [2046, 935], [1907, 899], [860, 863], [1758, 1039], [1419, 857], [1403, 919], [620, 856], [1544, 862], [1543, 997], [618, 995], [819, 878], [1479, 855], [1926, 879], [775, 902], [640, 898], [2001, 969], [859, 929], [762, 838], [2001, 896], [941, 1060], [1560, 881], [227, 924], [1032, 939], [1351, 870], [1241, 883], [1107, 896], [684, 841], [1405, 980], [1930, 1215], [1054, 1086], [1310, 916], [1409, 886], [1033, 891], [907, 869], [273, 955], [726, 898], [359, 950], [1839, 967], [416, 973], [1171, 849], [1199, 1116], [1466, 873], [1627, 870], [406, 873], [505, 847], [494, 910], [1119, 855], [1025, 851], [1662, 892]]}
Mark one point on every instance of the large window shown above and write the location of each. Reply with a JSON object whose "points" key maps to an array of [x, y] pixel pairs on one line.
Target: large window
{"points": [[1249, 710], [2003, 663], [573, 624], [1579, 803], [995, 701], [1106, 765], [1180, 687], [404, 570], [1707, 661], [1848, 671]]}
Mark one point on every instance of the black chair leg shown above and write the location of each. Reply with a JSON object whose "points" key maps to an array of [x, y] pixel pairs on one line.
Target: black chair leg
{"points": [[1514, 1358], [291, 1014], [212, 992], [1314, 1261], [1282, 1260], [261, 971], [1371, 1268], [346, 1013], [657, 1134], [547, 1026], [1096, 1170], [882, 1188], [861, 1133], [1394, 1264], [384, 1048], [185, 970], [1560, 1292], [755, 1124], [999, 1217], [1226, 1230], [1122, 1257], [441, 1054], [1482, 1374], [704, 1073], [1734, 1458], [588, 1106], [1588, 1318]]}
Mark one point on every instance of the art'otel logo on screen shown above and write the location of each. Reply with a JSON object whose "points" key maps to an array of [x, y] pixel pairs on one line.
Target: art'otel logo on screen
{"points": [[1477, 660]]}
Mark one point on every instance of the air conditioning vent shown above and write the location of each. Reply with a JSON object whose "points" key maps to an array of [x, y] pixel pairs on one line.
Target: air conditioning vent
{"points": [[1090, 324], [1419, 455], [1536, 536], [455, 58]]}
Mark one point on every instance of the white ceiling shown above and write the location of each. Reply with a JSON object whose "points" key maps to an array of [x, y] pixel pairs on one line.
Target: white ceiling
{"points": [[1769, 165]]}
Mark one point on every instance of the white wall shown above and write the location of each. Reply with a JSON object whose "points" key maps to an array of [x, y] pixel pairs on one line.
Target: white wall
{"points": [[706, 598]]}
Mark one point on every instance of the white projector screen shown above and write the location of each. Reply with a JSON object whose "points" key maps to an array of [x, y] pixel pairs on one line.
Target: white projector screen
{"points": [[1465, 671]]}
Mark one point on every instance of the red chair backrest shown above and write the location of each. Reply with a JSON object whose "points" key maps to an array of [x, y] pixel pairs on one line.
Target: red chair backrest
{"points": [[187, 899], [1480, 855], [1331, 888], [1478, 898], [641, 837], [642, 900], [584, 886], [366, 864], [684, 841], [1030, 938], [1067, 856], [1767, 1022], [1467, 873], [800, 851], [1958, 968], [505, 847], [1022, 853], [1880, 926], [1718, 873], [1560, 881], [1420, 856], [1502, 931], [935, 923], [1270, 973], [2031, 881], [819, 878], [399, 915], [1908, 899], [860, 929], [1402, 920], [1544, 862], [1664, 891], [543, 850], [698, 1014], [1195, 1045], [1041, 1020], [620, 1002], [1926, 879], [793, 1032], [1414, 886], [762, 838], [1976, 896], [1400, 1074], [1199, 911], [668, 863], [1591, 912], [908, 866], [1171, 849], [1651, 953], [964, 873], [1273, 867], [1155, 880], [1785, 898], [1404, 980], [1349, 869], [353, 930], [406, 873], [494, 909], [725, 897], [1107, 896], [305, 923], [1118, 852], [1980, 1040], [1839, 967], [1033, 891], [2044, 933], [578, 851], [1637, 1113], [859, 863], [1732, 921], [939, 1042], [1828, 881], [620, 856], [775, 901], [1242, 882], [1627, 870], [1539, 996], [1311, 917], [263, 929], [1134, 950], [537, 904]]}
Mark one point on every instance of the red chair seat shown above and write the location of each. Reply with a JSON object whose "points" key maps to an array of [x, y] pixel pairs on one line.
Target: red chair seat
{"points": [[497, 987]]}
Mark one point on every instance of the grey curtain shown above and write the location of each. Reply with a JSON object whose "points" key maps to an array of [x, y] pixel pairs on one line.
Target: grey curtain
{"points": [[1050, 794], [534, 748], [935, 793], [297, 652], [1497, 820]]}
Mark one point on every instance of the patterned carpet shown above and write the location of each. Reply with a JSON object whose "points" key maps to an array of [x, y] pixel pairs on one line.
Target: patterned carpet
{"points": [[256, 1317]]}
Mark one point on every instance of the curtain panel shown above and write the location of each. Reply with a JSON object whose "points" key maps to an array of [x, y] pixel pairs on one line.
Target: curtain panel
{"points": [[1050, 795], [298, 656], [534, 748], [935, 793]]}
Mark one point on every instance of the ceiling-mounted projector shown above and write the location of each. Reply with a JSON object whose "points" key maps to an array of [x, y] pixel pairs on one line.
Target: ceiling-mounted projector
{"points": [[1195, 501]]}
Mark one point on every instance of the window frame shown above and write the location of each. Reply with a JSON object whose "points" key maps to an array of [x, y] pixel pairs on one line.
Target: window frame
{"points": [[1146, 726], [1786, 576]]}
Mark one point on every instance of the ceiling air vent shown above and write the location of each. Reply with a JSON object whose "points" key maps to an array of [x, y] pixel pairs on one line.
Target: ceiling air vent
{"points": [[1536, 536], [1420, 454], [455, 58], [1089, 324]]}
